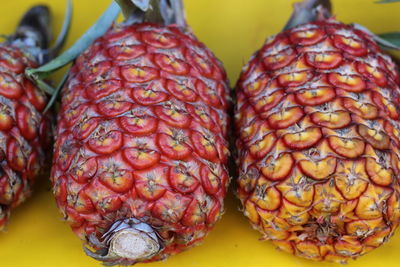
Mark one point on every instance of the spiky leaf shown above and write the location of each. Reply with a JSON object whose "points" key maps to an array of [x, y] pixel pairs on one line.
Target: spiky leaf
{"points": [[56, 92], [97, 30], [385, 43], [387, 1], [392, 37], [62, 36]]}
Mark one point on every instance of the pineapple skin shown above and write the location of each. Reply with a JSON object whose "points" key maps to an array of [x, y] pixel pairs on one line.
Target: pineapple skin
{"points": [[142, 134], [25, 133], [317, 118]]}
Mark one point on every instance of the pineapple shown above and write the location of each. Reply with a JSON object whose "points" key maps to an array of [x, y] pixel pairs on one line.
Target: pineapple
{"points": [[319, 135], [24, 129], [139, 168]]}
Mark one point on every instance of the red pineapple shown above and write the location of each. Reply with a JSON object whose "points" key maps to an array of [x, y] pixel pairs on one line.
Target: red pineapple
{"points": [[139, 168], [24, 130]]}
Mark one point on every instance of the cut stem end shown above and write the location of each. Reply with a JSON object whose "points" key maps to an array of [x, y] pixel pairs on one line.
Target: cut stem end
{"points": [[133, 245], [127, 242]]}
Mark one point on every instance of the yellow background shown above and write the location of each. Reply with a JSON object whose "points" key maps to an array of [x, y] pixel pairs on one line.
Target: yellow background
{"points": [[233, 29]]}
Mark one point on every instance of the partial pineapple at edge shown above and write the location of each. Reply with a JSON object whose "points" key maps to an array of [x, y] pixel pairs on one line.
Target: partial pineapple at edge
{"points": [[139, 168], [318, 141], [25, 127]]}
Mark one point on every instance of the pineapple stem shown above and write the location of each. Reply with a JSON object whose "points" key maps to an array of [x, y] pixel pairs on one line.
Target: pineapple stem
{"points": [[154, 14], [308, 11], [178, 8], [33, 33], [129, 9], [101, 26], [133, 245], [126, 242], [164, 12]]}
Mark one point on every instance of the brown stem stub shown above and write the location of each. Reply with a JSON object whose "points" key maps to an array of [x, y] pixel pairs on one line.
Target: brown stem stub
{"points": [[308, 11], [163, 12]]}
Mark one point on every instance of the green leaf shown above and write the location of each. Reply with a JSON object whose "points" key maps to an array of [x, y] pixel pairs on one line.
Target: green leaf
{"points": [[385, 43], [62, 36], [387, 1], [44, 86], [144, 5], [97, 30], [56, 92], [391, 37]]}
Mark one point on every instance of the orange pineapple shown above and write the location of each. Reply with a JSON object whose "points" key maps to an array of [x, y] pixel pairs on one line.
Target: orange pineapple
{"points": [[319, 136]]}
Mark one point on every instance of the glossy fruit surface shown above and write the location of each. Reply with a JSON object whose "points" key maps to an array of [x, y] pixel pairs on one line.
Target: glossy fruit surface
{"points": [[318, 125]]}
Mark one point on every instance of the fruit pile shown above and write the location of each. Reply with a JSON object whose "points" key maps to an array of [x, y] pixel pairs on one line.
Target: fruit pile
{"points": [[142, 142]]}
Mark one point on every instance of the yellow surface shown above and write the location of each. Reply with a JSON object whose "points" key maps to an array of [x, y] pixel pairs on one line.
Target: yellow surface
{"points": [[233, 29]]}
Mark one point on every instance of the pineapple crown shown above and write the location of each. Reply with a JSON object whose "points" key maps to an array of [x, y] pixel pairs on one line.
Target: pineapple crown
{"points": [[170, 12], [313, 10], [33, 33], [34, 28], [309, 11], [164, 12]]}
